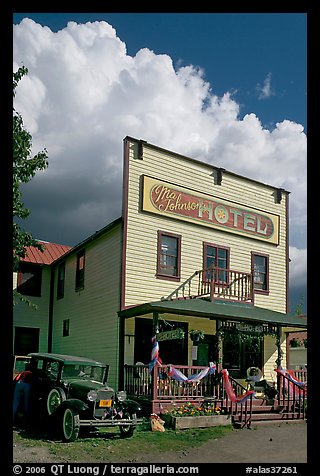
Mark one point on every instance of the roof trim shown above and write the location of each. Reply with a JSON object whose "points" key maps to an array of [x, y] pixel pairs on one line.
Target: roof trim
{"points": [[216, 310], [196, 161], [95, 235]]}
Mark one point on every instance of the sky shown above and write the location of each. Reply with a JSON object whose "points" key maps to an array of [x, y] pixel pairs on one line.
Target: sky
{"points": [[229, 89]]}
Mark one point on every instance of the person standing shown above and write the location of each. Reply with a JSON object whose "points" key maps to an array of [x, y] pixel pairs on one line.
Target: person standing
{"points": [[22, 395]]}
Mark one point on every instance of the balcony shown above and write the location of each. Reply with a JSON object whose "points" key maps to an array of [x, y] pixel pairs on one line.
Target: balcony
{"points": [[216, 283]]}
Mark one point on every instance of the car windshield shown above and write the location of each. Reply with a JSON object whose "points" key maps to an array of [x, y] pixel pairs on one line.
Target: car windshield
{"points": [[85, 371]]}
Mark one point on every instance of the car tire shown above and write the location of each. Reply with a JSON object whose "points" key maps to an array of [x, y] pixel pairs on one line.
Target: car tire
{"points": [[70, 425], [54, 399], [126, 431]]}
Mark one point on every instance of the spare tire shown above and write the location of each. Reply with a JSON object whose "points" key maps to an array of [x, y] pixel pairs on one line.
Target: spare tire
{"points": [[54, 399]]}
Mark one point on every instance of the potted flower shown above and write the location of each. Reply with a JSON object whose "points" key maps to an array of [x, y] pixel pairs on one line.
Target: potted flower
{"points": [[196, 335], [294, 343], [190, 415]]}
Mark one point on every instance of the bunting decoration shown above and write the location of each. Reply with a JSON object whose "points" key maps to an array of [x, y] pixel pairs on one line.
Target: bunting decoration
{"points": [[230, 392], [154, 354], [292, 379], [176, 374]]}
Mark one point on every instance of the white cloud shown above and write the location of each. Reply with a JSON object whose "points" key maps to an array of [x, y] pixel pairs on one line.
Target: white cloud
{"points": [[84, 94], [265, 90]]}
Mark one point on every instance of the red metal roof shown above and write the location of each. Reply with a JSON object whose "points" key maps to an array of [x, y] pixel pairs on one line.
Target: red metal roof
{"points": [[52, 252]]}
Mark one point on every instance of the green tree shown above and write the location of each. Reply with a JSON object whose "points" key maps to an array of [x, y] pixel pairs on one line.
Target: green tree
{"points": [[25, 167], [299, 307]]}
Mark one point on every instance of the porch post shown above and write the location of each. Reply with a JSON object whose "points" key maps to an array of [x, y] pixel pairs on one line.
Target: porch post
{"points": [[155, 323], [154, 375], [219, 344], [278, 343]]}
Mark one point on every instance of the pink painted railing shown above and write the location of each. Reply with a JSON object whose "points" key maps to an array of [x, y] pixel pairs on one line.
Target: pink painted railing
{"points": [[216, 283], [291, 396], [163, 391]]}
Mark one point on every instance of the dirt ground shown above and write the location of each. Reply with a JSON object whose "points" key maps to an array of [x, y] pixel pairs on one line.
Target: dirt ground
{"points": [[276, 443]]}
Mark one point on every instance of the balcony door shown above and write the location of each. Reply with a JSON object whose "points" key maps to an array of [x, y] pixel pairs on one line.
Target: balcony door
{"points": [[218, 257]]}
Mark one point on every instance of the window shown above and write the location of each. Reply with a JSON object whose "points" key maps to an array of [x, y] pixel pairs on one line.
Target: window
{"points": [[66, 327], [80, 271], [26, 340], [29, 279], [217, 257], [260, 266], [169, 256], [60, 284]]}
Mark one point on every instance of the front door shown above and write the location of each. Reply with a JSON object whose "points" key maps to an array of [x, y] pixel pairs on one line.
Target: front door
{"points": [[207, 350]]}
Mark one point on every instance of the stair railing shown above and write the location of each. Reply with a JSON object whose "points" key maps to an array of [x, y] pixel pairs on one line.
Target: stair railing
{"points": [[292, 397]]}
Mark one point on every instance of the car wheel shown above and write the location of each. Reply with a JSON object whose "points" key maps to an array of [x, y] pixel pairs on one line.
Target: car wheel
{"points": [[126, 431], [70, 425], [54, 399]]}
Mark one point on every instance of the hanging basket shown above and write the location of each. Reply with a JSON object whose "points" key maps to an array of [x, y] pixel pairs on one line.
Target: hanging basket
{"points": [[196, 335]]}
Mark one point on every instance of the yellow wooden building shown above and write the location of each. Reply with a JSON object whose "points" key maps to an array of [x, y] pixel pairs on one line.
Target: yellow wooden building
{"points": [[197, 247]]}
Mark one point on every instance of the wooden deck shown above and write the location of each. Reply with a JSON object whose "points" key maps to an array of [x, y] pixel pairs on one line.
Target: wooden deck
{"points": [[158, 392]]}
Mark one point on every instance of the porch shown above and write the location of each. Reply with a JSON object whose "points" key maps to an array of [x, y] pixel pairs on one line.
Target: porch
{"points": [[158, 392]]}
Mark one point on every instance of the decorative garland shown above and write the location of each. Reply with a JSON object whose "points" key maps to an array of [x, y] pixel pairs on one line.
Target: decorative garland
{"points": [[230, 392], [155, 359], [180, 377], [292, 380]]}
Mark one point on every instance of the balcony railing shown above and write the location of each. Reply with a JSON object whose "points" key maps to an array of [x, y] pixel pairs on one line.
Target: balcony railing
{"points": [[216, 283]]}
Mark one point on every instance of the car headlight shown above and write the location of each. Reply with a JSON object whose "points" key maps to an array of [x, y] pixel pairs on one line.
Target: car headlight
{"points": [[92, 396], [122, 395]]}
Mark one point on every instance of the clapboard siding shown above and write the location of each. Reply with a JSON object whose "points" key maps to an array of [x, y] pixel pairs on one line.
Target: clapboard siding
{"points": [[28, 316], [94, 326], [142, 228]]}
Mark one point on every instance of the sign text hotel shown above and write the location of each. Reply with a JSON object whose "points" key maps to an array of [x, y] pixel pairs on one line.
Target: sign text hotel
{"points": [[167, 199]]}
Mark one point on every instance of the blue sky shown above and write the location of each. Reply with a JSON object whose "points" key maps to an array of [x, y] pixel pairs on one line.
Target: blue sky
{"points": [[226, 88]]}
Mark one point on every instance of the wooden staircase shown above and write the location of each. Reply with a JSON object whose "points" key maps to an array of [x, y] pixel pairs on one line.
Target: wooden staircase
{"points": [[265, 412]]}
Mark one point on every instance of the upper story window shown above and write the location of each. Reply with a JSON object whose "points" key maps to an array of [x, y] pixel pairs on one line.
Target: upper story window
{"points": [[29, 279], [260, 266], [215, 256], [80, 270], [61, 278], [169, 256]]}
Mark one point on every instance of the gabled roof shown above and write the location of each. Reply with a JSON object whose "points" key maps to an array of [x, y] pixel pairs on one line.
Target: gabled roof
{"points": [[52, 252]]}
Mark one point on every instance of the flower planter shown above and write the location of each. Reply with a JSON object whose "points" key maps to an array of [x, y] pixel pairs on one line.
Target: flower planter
{"points": [[201, 421]]}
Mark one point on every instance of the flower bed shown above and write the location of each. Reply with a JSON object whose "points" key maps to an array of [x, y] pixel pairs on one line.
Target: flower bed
{"points": [[195, 416]]}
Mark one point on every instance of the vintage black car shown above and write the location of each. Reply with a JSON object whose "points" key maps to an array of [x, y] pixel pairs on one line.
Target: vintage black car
{"points": [[73, 392]]}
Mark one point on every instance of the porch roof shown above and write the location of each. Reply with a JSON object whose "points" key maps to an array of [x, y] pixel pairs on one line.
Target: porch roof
{"points": [[217, 310]]}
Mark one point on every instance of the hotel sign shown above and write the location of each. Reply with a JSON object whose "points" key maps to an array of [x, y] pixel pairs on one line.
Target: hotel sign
{"points": [[170, 335], [173, 201]]}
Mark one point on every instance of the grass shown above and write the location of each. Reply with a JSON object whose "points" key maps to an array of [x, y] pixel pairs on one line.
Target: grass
{"points": [[107, 446]]}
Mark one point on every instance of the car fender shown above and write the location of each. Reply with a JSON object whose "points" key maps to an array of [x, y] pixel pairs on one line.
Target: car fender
{"points": [[74, 403], [132, 406]]}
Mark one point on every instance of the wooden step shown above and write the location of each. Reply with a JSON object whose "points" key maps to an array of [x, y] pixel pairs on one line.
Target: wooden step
{"points": [[267, 417]]}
